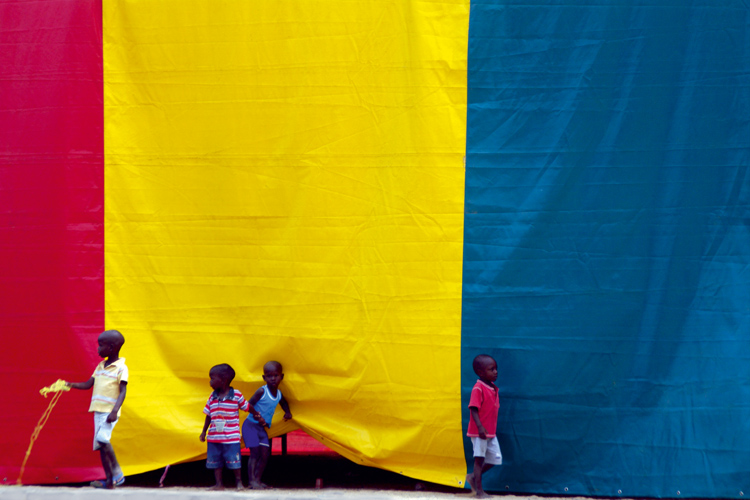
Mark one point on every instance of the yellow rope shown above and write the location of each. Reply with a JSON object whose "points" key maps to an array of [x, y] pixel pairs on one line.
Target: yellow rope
{"points": [[58, 388]]}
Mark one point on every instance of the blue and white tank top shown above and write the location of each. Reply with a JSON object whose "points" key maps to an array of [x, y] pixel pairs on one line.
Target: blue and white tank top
{"points": [[266, 405]]}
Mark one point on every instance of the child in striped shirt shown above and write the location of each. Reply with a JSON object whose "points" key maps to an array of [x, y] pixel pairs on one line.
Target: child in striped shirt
{"points": [[222, 426]]}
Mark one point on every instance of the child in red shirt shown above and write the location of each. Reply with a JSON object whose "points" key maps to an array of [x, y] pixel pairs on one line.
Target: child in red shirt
{"points": [[484, 405]]}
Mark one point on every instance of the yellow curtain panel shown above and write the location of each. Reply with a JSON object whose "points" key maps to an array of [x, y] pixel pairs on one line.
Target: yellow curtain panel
{"points": [[285, 180]]}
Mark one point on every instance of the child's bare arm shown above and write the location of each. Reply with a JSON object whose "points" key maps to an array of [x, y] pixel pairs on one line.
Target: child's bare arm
{"points": [[256, 415], [118, 404], [206, 424], [254, 399], [475, 417], [85, 386], [285, 406]]}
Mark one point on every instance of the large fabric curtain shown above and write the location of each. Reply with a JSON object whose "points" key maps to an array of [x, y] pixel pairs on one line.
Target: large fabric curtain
{"points": [[373, 193]]}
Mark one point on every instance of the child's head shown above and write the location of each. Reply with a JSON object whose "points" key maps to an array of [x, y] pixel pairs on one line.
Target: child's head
{"points": [[485, 367], [273, 374], [221, 376], [110, 342]]}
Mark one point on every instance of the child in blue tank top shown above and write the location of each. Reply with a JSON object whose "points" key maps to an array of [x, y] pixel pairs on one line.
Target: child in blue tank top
{"points": [[254, 433]]}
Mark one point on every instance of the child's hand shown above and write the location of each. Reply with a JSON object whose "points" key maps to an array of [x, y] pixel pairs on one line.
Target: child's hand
{"points": [[288, 416], [262, 421], [203, 437], [482, 433], [112, 417]]}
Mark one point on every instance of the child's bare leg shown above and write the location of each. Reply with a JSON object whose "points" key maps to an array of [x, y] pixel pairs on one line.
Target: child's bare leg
{"points": [[116, 469], [251, 461], [106, 465], [114, 466], [256, 465], [260, 467], [470, 482], [238, 478], [219, 482], [476, 477]]}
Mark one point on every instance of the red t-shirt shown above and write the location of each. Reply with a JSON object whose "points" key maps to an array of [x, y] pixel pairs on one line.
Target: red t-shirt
{"points": [[486, 399]]}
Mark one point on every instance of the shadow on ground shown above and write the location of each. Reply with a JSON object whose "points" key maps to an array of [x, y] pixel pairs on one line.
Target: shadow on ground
{"points": [[293, 471]]}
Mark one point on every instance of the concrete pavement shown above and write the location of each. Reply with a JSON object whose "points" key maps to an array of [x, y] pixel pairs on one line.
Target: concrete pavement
{"points": [[180, 493], [193, 493]]}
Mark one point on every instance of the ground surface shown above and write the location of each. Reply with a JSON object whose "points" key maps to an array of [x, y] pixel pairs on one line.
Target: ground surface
{"points": [[294, 472], [181, 492], [293, 477]]}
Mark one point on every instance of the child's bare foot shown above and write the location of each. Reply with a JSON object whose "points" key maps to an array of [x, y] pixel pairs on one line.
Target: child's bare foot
{"points": [[240, 487], [216, 487], [470, 482], [257, 485], [482, 494]]}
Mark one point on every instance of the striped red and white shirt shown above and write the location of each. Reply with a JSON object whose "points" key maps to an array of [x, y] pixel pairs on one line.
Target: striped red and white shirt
{"points": [[225, 411]]}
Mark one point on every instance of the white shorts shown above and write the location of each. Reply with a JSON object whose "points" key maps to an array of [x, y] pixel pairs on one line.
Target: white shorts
{"points": [[102, 428], [489, 449]]}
